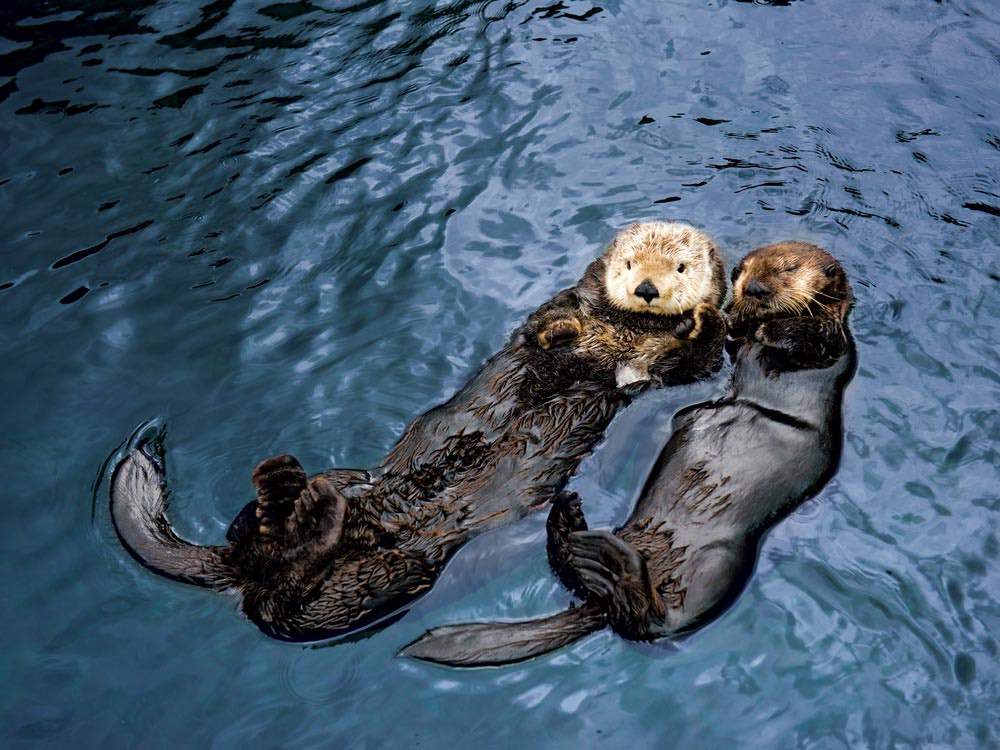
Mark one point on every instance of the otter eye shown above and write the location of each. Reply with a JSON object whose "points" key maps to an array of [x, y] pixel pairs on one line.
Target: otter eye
{"points": [[735, 274], [680, 268], [792, 269], [628, 265]]}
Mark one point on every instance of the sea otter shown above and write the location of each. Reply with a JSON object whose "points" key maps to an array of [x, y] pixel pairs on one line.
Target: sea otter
{"points": [[731, 470], [322, 557]]}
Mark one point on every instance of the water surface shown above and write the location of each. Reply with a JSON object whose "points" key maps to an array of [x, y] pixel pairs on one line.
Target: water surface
{"points": [[294, 226]]}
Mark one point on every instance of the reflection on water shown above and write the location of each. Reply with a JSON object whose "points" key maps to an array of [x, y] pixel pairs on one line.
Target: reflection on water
{"points": [[293, 226]]}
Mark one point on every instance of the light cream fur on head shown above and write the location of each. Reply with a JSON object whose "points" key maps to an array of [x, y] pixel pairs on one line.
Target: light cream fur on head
{"points": [[675, 258]]}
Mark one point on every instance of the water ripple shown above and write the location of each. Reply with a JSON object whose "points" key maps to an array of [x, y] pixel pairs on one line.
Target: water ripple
{"points": [[292, 226]]}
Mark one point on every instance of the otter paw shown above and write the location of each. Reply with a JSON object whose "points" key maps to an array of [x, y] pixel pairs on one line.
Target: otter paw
{"points": [[279, 471], [683, 329], [770, 335], [558, 332], [702, 311], [565, 518]]}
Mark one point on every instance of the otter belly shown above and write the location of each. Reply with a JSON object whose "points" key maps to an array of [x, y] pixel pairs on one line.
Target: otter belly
{"points": [[731, 467]]}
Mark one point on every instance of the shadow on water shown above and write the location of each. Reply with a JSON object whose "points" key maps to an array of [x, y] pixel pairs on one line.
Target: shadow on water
{"points": [[292, 226]]}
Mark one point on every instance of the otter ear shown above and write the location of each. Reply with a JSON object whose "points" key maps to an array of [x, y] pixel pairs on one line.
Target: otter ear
{"points": [[831, 270]]}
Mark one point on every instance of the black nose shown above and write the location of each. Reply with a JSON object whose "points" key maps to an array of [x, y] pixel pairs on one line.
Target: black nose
{"points": [[755, 289], [647, 291]]}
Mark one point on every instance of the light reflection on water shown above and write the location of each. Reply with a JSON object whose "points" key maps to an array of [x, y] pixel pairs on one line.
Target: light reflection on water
{"points": [[292, 227]]}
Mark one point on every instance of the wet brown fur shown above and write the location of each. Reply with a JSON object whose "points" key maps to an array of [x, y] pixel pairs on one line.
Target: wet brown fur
{"points": [[732, 468], [807, 282], [324, 556], [675, 534]]}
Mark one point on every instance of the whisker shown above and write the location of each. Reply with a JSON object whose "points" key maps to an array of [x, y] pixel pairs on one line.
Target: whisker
{"points": [[789, 302], [818, 293], [805, 300], [802, 300]]}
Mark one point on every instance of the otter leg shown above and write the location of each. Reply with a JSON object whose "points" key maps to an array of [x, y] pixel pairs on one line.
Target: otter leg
{"points": [[279, 482], [602, 560], [318, 516], [616, 574], [310, 534], [565, 517], [715, 576]]}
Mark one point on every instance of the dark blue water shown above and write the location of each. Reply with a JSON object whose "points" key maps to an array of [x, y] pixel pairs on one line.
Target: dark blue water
{"points": [[292, 227]]}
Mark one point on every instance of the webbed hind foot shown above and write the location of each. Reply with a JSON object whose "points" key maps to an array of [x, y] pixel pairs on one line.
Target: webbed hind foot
{"points": [[319, 516], [565, 518], [279, 481], [615, 573]]}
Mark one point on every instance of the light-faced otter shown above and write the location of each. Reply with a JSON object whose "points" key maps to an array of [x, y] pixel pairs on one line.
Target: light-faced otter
{"points": [[322, 557], [730, 471]]}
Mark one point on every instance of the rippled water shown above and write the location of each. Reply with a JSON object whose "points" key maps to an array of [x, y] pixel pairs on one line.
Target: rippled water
{"points": [[292, 227]]}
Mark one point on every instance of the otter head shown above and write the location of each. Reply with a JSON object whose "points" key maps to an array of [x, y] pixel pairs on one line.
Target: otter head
{"points": [[664, 268], [787, 279]]}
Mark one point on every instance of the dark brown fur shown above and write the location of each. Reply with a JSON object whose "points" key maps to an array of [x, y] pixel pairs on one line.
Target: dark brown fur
{"points": [[320, 557], [805, 313]]}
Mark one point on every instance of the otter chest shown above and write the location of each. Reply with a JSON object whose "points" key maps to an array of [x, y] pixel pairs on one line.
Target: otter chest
{"points": [[625, 352]]}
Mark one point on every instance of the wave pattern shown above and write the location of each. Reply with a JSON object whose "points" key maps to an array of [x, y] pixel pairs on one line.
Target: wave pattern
{"points": [[292, 226]]}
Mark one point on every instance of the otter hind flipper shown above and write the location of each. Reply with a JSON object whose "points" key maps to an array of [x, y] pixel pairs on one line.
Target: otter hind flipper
{"points": [[293, 509], [318, 515], [279, 482], [139, 501], [616, 574], [493, 644], [565, 517], [604, 559]]}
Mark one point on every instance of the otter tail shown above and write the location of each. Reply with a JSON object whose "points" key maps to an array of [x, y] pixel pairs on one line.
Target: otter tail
{"points": [[139, 512], [491, 644]]}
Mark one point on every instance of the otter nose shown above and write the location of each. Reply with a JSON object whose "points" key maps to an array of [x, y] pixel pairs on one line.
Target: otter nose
{"points": [[647, 290], [756, 289]]}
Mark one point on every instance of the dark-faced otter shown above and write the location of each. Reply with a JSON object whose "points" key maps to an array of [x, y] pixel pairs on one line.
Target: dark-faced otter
{"points": [[322, 557], [731, 469]]}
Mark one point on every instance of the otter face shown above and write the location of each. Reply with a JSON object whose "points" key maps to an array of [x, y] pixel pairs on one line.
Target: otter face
{"points": [[664, 268], [790, 278]]}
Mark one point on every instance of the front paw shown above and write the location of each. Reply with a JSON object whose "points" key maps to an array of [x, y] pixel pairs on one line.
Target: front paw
{"points": [[683, 329], [691, 328], [770, 334], [559, 332]]}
